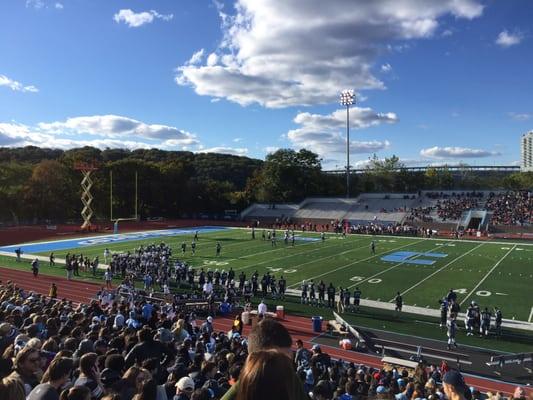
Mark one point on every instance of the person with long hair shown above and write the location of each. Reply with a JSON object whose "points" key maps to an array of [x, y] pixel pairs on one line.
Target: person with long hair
{"points": [[267, 369], [238, 325], [27, 366], [180, 332], [12, 389]]}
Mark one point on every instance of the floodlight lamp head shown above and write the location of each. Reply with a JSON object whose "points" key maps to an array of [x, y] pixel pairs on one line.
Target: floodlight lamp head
{"points": [[347, 97]]}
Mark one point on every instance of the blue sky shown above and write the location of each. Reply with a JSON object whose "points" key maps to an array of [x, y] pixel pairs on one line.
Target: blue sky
{"points": [[436, 81]]}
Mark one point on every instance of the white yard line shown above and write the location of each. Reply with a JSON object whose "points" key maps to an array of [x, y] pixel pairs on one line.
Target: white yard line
{"points": [[530, 315], [350, 264], [394, 266], [297, 254], [487, 274], [270, 250], [440, 269]]}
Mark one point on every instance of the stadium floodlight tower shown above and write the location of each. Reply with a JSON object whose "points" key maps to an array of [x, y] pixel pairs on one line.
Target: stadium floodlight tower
{"points": [[86, 169], [347, 99]]}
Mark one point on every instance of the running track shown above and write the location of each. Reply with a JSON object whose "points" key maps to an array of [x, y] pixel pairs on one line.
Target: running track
{"points": [[77, 291], [299, 327]]}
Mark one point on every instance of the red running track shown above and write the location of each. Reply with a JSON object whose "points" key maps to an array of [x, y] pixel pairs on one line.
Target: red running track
{"points": [[77, 291], [299, 327]]}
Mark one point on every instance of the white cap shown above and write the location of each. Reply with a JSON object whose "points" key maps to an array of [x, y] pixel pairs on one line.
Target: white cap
{"points": [[185, 383]]}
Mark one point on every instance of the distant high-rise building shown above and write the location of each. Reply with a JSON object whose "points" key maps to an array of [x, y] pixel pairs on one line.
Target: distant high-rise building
{"points": [[527, 152]]}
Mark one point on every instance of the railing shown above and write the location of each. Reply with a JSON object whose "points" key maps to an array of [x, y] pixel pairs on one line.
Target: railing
{"points": [[451, 168]]}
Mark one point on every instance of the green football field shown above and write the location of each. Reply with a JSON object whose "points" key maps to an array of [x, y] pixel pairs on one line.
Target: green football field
{"points": [[423, 270]]}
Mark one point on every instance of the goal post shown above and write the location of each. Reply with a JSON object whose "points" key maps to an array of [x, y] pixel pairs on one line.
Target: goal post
{"points": [[116, 221]]}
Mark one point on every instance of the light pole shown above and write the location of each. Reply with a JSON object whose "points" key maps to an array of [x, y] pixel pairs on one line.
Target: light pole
{"points": [[347, 99]]}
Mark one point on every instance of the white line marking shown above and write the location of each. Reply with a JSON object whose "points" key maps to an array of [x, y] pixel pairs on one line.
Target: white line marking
{"points": [[352, 263], [530, 315], [394, 266], [440, 269], [298, 254], [487, 274]]}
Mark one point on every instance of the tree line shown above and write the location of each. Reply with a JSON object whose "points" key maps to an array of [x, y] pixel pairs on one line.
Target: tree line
{"points": [[39, 184]]}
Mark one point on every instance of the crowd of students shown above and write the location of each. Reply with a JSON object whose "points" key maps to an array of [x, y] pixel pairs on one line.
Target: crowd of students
{"points": [[452, 208], [53, 349], [375, 228], [511, 208], [508, 208]]}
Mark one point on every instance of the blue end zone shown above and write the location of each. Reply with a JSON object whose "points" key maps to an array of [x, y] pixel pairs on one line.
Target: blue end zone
{"points": [[407, 257], [43, 247]]}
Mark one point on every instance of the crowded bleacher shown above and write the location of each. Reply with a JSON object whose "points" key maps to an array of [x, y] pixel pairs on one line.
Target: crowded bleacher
{"points": [[511, 208], [508, 208], [134, 348]]}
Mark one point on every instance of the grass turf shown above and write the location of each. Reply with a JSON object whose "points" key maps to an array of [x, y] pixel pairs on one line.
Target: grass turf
{"points": [[491, 273]]}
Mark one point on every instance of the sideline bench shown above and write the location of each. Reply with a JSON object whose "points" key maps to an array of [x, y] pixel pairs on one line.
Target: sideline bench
{"points": [[398, 362], [267, 314], [419, 353]]}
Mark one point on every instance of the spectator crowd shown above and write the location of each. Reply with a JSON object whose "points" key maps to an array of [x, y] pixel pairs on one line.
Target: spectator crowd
{"points": [[133, 348], [511, 208]]}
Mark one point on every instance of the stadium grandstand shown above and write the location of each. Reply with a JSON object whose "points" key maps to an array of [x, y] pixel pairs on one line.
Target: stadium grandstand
{"points": [[450, 209]]}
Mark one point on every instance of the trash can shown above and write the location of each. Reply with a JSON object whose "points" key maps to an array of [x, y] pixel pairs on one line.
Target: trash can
{"points": [[245, 316], [317, 324], [280, 311]]}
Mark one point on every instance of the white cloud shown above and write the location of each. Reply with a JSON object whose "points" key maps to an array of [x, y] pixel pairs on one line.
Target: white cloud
{"points": [[196, 58], [237, 140], [447, 32], [16, 86], [135, 20], [58, 6], [386, 68], [520, 116], [116, 126], [324, 134], [226, 150], [212, 59], [271, 149], [37, 4], [282, 53], [456, 152], [360, 117], [97, 131], [506, 39]]}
